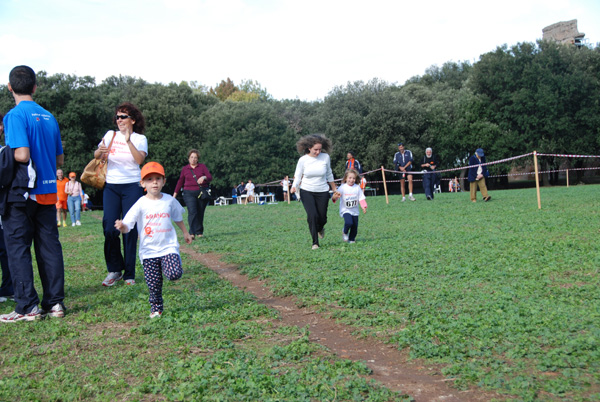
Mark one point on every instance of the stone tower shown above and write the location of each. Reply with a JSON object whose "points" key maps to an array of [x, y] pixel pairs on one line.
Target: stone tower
{"points": [[564, 32]]}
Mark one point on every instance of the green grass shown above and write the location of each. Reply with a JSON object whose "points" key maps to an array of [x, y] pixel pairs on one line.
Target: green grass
{"points": [[214, 343], [503, 295]]}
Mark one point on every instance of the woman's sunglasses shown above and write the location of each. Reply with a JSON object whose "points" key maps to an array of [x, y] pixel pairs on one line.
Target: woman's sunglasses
{"points": [[122, 117]]}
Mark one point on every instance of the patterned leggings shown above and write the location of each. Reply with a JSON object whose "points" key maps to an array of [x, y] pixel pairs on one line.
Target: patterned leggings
{"points": [[170, 265]]}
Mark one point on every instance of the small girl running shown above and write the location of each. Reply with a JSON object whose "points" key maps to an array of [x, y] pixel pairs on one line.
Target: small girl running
{"points": [[351, 197], [159, 248]]}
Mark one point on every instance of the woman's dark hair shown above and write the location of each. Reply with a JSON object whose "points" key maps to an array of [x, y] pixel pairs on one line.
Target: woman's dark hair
{"points": [[193, 151], [305, 143], [140, 123]]}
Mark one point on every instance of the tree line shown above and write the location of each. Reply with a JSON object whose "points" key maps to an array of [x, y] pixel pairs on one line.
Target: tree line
{"points": [[532, 96]]}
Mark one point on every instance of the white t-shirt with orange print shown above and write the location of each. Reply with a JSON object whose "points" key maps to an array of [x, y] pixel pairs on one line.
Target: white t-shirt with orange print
{"points": [[154, 224]]}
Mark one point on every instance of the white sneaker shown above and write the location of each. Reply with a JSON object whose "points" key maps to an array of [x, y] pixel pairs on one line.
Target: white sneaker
{"points": [[345, 236], [351, 242], [73, 224], [315, 246], [34, 315], [156, 314], [78, 223], [403, 199], [410, 197], [3, 299], [130, 282], [57, 311], [112, 278]]}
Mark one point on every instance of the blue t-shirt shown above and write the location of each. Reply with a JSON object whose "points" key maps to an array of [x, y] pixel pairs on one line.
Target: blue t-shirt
{"points": [[30, 125]]}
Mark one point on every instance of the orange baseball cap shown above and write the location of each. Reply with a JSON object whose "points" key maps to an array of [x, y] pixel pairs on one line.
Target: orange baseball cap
{"points": [[152, 167]]}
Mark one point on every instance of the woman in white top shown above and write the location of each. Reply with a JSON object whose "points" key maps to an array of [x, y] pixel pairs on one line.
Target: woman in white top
{"points": [[74, 199], [314, 171], [250, 190], [128, 150], [285, 183]]}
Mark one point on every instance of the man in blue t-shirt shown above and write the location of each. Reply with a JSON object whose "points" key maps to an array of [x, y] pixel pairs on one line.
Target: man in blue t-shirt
{"points": [[33, 133]]}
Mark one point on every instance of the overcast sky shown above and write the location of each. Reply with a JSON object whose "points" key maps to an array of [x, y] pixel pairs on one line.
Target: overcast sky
{"points": [[294, 49]]}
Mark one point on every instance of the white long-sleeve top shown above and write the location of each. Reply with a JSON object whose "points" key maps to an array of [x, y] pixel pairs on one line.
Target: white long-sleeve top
{"points": [[314, 173]]}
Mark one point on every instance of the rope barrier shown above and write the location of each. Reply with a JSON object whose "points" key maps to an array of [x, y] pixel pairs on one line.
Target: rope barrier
{"points": [[571, 156], [276, 183]]}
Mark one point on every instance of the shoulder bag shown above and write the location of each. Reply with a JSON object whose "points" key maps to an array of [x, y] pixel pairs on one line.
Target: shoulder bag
{"points": [[205, 193], [94, 174]]}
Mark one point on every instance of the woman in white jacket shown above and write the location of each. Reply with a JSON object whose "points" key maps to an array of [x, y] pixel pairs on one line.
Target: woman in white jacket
{"points": [[314, 172]]}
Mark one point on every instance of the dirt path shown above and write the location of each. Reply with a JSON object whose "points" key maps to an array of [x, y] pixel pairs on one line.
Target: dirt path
{"points": [[389, 365]]}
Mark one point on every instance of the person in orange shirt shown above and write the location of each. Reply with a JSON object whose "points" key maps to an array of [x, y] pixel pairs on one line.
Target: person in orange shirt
{"points": [[61, 205]]}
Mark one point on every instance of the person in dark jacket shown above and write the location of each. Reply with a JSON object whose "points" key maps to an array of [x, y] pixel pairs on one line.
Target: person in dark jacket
{"points": [[477, 175], [403, 160], [6, 287], [194, 180], [429, 164]]}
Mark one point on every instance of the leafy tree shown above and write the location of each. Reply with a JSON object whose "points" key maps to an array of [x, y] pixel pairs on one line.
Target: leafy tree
{"points": [[246, 141], [224, 90]]}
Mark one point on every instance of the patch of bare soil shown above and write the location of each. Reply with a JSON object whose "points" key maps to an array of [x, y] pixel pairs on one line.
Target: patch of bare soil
{"points": [[389, 366]]}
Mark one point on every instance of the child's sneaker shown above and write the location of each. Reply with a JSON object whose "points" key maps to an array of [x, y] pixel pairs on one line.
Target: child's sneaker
{"points": [[156, 314], [57, 311], [351, 242], [345, 236], [112, 278], [33, 315], [130, 282]]}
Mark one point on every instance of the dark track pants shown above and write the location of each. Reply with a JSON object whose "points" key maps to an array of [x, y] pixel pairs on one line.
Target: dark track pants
{"points": [[315, 205], [118, 199], [34, 223]]}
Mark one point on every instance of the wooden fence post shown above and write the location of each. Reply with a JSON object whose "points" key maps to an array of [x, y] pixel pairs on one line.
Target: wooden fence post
{"points": [[387, 200]]}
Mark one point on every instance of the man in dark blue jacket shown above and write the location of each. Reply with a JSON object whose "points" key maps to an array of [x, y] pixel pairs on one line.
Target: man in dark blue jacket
{"points": [[477, 175]]}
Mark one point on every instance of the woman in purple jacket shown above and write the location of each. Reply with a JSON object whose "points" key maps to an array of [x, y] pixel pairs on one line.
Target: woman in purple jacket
{"points": [[194, 179]]}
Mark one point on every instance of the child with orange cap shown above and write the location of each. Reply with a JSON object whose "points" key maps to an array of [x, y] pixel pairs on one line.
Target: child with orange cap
{"points": [[159, 248]]}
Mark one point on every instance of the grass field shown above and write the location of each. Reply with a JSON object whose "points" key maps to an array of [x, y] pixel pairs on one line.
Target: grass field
{"points": [[504, 296]]}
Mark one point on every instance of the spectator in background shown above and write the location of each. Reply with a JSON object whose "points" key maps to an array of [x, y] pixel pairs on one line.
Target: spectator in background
{"points": [[195, 179], [240, 189], [403, 160], [249, 189], [285, 183], [454, 186], [61, 205], [352, 163], [75, 199], [429, 164], [477, 175]]}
